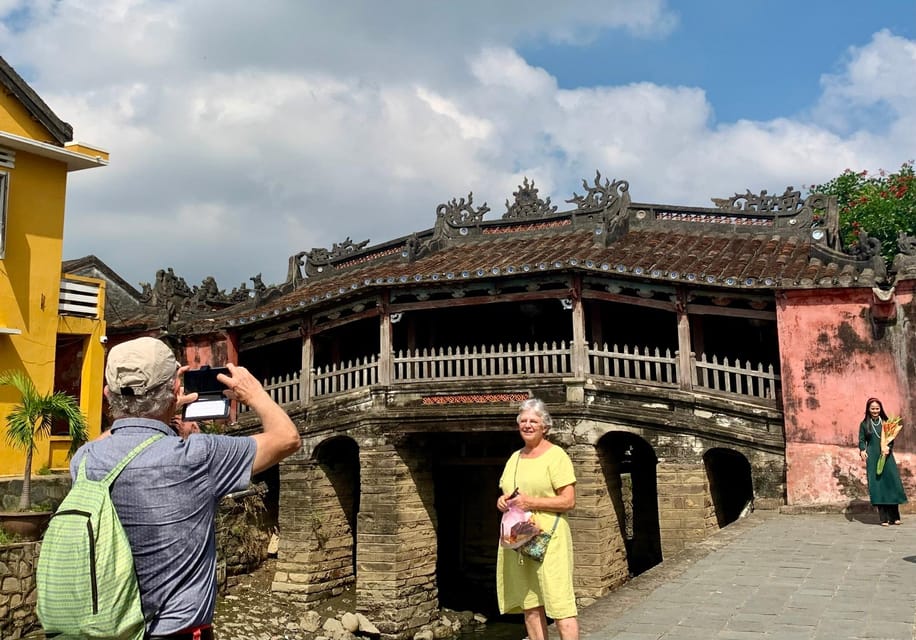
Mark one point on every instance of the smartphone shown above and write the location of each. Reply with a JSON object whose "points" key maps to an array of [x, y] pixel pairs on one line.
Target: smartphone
{"points": [[211, 404], [203, 380]]}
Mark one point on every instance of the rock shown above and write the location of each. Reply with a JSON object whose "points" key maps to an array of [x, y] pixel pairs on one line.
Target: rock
{"points": [[332, 625], [366, 627], [424, 634], [310, 621], [274, 545], [349, 622], [479, 618]]}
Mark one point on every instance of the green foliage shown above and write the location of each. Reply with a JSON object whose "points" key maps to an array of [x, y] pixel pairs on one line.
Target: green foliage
{"points": [[31, 419], [882, 205], [8, 538]]}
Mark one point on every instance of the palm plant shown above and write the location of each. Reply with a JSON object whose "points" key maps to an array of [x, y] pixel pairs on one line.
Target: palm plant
{"points": [[32, 418]]}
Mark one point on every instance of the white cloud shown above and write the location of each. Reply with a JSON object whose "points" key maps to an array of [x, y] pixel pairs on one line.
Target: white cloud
{"points": [[242, 133]]}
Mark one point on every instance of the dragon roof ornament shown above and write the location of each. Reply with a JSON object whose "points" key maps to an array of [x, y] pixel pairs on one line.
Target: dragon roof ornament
{"points": [[319, 259], [454, 218], [527, 203], [600, 196]]}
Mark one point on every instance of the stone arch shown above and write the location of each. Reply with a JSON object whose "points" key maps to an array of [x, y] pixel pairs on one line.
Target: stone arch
{"points": [[628, 464], [730, 483]]}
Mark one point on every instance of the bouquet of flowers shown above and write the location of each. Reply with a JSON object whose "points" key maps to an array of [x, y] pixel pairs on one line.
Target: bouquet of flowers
{"points": [[889, 431]]}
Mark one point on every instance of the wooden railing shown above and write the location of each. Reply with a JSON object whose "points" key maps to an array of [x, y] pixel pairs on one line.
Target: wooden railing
{"points": [[650, 365], [646, 365], [340, 377], [742, 380], [494, 361], [283, 389]]}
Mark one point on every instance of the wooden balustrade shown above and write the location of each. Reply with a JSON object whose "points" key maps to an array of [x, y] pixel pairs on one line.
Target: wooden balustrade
{"points": [[494, 361], [283, 389], [743, 380], [647, 365], [345, 376]]}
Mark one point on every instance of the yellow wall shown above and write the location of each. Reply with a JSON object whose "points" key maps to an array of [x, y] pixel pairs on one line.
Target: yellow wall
{"points": [[15, 119], [30, 275]]}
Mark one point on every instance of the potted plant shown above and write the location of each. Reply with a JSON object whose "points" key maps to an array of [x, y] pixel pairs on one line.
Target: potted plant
{"points": [[30, 420]]}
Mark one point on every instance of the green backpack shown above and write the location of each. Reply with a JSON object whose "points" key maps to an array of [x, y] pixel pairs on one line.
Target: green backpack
{"points": [[87, 586]]}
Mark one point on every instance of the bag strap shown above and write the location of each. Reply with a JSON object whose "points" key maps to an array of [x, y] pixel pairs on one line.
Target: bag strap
{"points": [[515, 481], [113, 474]]}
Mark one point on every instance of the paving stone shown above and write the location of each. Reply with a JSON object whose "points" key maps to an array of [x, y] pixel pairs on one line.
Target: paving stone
{"points": [[779, 576]]}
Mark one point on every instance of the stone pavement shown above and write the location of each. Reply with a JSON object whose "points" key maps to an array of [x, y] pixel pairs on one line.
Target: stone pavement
{"points": [[773, 575]]}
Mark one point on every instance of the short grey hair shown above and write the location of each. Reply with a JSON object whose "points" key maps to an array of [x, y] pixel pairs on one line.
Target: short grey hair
{"points": [[537, 405], [157, 403]]}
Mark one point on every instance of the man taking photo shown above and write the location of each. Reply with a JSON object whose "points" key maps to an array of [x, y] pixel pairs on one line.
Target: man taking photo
{"points": [[167, 497]]}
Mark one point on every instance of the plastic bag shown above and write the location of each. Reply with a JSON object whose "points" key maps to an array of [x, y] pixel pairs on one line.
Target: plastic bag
{"points": [[516, 528]]}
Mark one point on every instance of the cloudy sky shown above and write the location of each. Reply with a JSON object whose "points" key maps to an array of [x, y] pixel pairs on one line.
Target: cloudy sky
{"points": [[243, 132]]}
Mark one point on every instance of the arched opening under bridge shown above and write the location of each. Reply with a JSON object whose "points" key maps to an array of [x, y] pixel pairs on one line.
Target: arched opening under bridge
{"points": [[629, 466], [730, 483]]}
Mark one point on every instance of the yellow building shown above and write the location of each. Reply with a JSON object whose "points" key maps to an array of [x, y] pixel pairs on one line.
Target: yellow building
{"points": [[52, 325]]}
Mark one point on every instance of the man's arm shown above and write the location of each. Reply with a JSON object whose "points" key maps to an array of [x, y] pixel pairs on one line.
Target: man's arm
{"points": [[279, 439]]}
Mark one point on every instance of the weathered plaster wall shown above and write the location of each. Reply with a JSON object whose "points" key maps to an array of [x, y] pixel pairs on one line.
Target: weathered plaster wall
{"points": [[835, 355]]}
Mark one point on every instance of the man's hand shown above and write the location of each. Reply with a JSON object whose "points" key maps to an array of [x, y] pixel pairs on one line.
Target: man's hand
{"points": [[183, 398], [280, 437], [244, 387]]}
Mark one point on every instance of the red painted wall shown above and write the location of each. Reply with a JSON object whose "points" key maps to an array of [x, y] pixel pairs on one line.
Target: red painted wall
{"points": [[834, 358]]}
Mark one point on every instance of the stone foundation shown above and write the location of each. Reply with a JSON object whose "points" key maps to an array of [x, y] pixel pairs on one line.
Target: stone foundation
{"points": [[46, 490], [18, 593]]}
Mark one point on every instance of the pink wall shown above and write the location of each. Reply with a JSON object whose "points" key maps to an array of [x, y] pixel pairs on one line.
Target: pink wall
{"points": [[832, 362]]}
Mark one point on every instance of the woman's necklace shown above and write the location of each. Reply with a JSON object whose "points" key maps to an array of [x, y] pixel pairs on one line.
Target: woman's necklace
{"points": [[876, 422]]}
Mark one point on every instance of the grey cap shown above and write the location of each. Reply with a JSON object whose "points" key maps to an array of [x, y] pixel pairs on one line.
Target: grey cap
{"points": [[137, 366]]}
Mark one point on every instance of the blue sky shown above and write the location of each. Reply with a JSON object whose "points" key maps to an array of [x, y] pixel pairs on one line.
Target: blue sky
{"points": [[241, 133], [756, 59]]}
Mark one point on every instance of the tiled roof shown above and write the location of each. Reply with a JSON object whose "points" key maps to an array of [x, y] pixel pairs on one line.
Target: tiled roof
{"points": [[702, 258], [749, 243]]}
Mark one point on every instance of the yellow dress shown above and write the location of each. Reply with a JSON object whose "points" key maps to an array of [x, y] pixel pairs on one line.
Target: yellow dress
{"points": [[523, 583]]}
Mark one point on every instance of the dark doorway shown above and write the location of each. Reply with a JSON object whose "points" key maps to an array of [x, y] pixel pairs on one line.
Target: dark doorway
{"points": [[628, 463], [466, 475], [68, 373], [730, 483]]}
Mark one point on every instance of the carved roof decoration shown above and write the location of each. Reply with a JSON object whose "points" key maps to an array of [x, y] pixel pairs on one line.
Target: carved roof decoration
{"points": [[528, 204], [754, 242], [598, 197], [319, 259]]}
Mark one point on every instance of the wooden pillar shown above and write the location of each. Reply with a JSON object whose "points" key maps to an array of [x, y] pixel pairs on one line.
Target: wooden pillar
{"points": [[687, 377], [385, 356], [307, 374], [579, 349]]}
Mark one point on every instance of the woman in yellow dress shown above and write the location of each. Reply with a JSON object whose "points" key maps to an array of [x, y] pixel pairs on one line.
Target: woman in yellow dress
{"points": [[539, 478]]}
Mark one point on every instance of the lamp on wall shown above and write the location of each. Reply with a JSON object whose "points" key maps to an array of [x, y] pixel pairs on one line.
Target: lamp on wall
{"points": [[396, 318], [567, 304]]}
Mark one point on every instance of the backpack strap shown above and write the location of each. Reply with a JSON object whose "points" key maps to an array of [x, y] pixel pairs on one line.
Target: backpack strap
{"points": [[107, 480]]}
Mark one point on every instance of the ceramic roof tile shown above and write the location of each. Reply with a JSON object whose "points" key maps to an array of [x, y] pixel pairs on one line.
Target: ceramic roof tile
{"points": [[725, 259]]}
